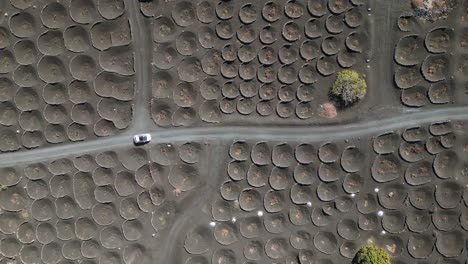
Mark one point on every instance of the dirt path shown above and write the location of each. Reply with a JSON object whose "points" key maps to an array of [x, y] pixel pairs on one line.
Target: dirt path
{"points": [[382, 73], [141, 33], [379, 123], [194, 206]]}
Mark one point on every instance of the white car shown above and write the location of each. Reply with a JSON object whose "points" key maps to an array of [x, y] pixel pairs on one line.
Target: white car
{"points": [[141, 139]]}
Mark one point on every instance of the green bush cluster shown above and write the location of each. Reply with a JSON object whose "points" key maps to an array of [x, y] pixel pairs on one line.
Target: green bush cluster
{"points": [[349, 87], [371, 255]]}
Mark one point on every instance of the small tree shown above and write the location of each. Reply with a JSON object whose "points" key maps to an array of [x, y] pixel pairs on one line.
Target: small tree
{"points": [[349, 87], [371, 255]]}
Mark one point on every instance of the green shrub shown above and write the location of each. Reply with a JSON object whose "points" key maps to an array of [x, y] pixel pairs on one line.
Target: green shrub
{"points": [[349, 87], [371, 255]]}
